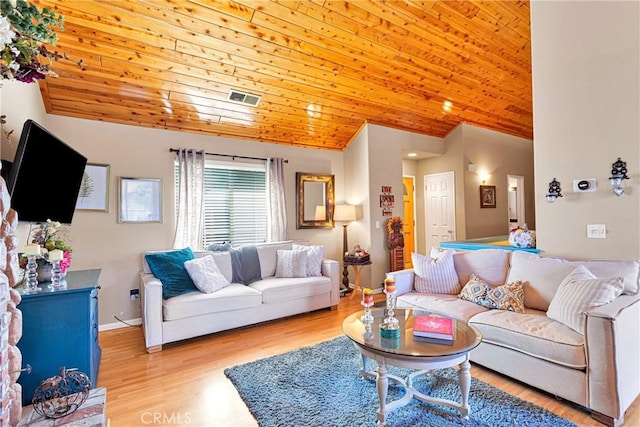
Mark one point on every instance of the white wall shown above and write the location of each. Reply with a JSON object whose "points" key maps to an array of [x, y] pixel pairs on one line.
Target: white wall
{"points": [[586, 98], [376, 153], [96, 237]]}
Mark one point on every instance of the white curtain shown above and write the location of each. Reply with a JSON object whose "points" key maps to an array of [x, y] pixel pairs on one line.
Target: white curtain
{"points": [[190, 196], [277, 209]]}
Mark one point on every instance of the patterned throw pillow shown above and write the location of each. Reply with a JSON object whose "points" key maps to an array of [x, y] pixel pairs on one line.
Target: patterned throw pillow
{"points": [[579, 292], [291, 264], [435, 273], [205, 274], [476, 291], [507, 297], [314, 258]]}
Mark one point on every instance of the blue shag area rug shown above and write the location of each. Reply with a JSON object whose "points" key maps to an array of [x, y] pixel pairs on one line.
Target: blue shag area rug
{"points": [[321, 385]]}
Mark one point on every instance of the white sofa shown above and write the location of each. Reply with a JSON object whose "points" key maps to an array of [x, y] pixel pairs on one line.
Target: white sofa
{"points": [[599, 369], [196, 313]]}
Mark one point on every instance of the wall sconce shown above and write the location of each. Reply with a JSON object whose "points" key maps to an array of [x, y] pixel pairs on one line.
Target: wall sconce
{"points": [[484, 176], [554, 191], [618, 173]]}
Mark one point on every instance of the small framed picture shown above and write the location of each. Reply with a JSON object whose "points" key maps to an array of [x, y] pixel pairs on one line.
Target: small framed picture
{"points": [[140, 200], [94, 189], [487, 196]]}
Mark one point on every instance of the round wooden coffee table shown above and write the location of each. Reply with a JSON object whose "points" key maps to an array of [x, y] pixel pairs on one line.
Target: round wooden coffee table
{"points": [[407, 352]]}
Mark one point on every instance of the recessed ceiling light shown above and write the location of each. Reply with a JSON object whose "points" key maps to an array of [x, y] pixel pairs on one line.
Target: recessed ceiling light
{"points": [[447, 106], [412, 154]]}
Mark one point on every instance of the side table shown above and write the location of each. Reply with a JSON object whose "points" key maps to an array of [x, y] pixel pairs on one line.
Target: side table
{"points": [[357, 267]]}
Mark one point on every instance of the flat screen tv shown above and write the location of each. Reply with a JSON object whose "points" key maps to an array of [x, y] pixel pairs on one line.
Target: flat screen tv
{"points": [[45, 177]]}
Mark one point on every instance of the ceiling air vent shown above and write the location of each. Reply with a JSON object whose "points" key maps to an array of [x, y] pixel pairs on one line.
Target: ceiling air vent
{"points": [[244, 98]]}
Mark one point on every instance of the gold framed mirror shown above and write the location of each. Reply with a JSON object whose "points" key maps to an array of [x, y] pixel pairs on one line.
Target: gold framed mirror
{"points": [[315, 201]]}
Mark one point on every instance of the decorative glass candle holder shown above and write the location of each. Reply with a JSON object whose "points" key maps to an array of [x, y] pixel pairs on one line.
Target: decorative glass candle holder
{"points": [[367, 302], [55, 257], [31, 286], [390, 328]]}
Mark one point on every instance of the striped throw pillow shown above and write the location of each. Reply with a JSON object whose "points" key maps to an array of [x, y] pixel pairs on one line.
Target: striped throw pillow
{"points": [[579, 292], [436, 273]]}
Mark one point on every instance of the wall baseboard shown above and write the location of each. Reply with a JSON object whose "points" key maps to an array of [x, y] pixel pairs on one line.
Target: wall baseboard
{"points": [[118, 325]]}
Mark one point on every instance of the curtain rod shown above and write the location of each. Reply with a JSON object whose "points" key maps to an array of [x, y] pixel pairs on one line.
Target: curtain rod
{"points": [[175, 150]]}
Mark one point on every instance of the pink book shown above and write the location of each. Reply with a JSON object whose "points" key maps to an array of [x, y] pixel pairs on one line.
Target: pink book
{"points": [[433, 327]]}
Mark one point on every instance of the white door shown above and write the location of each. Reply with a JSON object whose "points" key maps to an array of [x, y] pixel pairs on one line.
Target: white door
{"points": [[440, 210]]}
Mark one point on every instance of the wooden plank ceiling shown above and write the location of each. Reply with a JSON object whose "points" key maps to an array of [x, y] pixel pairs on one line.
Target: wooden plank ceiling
{"points": [[322, 68]]}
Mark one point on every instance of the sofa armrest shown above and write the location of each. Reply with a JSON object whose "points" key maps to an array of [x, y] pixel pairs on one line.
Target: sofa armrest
{"points": [[151, 301], [404, 280], [612, 341], [331, 269]]}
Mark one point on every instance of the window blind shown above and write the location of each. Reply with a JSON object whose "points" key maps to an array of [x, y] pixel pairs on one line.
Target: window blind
{"points": [[235, 204]]}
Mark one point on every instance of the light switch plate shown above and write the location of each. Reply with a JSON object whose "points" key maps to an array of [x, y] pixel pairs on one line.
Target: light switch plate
{"points": [[584, 185], [596, 231]]}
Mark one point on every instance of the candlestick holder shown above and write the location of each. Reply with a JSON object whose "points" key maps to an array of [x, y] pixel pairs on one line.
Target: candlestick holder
{"points": [[367, 318], [391, 305], [31, 287], [57, 281]]}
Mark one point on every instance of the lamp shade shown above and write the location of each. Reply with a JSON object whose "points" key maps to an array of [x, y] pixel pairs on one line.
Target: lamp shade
{"points": [[344, 213]]}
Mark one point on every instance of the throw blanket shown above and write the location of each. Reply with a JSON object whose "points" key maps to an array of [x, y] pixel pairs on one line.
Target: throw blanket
{"points": [[245, 265]]}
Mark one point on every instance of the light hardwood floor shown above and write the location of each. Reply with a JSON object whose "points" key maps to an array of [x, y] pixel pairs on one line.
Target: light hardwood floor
{"points": [[185, 384]]}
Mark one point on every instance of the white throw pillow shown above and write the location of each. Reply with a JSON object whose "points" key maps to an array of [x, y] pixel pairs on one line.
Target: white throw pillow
{"points": [[314, 258], [435, 273], [291, 264], [579, 292], [205, 274]]}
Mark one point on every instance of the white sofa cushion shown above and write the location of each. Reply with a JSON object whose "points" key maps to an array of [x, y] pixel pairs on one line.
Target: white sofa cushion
{"points": [[268, 256], [233, 297], [314, 258], [532, 333], [628, 269], [291, 264], [579, 292], [491, 265], [223, 261], [435, 273], [205, 274], [282, 289], [541, 277], [450, 305]]}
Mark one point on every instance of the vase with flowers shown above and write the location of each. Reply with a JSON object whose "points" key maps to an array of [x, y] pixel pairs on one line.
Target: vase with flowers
{"points": [[49, 236], [25, 32]]}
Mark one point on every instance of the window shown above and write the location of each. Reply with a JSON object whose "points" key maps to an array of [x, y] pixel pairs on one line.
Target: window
{"points": [[235, 203]]}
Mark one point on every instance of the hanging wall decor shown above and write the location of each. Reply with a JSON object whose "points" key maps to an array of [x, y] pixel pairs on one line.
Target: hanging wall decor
{"points": [[387, 202]]}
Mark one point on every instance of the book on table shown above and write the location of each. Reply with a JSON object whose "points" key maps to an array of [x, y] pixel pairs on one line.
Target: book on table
{"points": [[433, 340], [434, 326]]}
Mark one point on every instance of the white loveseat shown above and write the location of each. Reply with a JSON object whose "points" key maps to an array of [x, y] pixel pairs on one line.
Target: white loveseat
{"points": [[598, 369], [196, 313]]}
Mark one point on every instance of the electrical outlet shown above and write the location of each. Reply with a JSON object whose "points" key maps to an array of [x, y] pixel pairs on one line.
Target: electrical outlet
{"points": [[596, 231], [134, 294]]}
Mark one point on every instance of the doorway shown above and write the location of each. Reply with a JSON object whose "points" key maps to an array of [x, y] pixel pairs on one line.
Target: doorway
{"points": [[439, 207], [515, 185], [409, 214]]}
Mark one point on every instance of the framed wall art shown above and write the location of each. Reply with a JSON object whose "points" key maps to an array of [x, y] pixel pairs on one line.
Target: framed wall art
{"points": [[487, 196], [140, 200], [94, 189]]}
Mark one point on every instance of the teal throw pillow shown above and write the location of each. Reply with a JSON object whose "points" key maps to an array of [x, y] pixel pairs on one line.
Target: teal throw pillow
{"points": [[168, 267]]}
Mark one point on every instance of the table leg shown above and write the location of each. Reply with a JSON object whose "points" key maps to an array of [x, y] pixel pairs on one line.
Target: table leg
{"points": [[464, 377], [356, 280], [383, 387]]}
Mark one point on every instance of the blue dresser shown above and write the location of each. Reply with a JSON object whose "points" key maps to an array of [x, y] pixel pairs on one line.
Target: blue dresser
{"points": [[60, 328]]}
